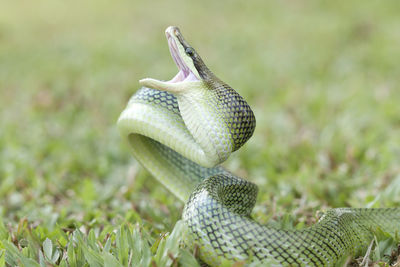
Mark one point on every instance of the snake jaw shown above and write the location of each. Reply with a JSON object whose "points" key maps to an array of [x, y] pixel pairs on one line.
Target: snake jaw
{"points": [[187, 76], [174, 50], [172, 87]]}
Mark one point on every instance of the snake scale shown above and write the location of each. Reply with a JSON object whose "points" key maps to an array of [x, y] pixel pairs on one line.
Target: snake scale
{"points": [[181, 130]]}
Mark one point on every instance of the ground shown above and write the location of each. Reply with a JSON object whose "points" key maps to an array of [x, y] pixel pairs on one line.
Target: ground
{"points": [[322, 78]]}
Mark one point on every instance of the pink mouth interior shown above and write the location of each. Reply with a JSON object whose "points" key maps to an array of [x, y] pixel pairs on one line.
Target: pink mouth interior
{"points": [[184, 74]]}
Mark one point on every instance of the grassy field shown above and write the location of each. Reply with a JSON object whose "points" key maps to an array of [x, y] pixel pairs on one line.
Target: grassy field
{"points": [[322, 77]]}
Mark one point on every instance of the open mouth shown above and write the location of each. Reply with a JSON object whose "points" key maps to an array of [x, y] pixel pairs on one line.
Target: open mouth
{"points": [[184, 74]]}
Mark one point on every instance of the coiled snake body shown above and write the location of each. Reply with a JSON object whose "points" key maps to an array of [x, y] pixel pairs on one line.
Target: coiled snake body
{"points": [[180, 130]]}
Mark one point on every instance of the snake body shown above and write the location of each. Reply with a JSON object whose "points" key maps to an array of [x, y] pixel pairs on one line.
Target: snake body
{"points": [[180, 130]]}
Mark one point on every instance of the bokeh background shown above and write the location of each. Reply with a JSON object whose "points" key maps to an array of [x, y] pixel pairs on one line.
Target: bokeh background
{"points": [[322, 77]]}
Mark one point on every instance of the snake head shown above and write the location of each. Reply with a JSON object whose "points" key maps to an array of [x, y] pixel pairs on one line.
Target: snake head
{"points": [[191, 70]]}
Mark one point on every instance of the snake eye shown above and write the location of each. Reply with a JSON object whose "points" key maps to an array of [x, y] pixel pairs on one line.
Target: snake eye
{"points": [[189, 51]]}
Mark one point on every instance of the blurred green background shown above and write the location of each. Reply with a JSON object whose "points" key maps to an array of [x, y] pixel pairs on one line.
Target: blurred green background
{"points": [[322, 77]]}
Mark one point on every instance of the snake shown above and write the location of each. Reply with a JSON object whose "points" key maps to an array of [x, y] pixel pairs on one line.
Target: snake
{"points": [[181, 130]]}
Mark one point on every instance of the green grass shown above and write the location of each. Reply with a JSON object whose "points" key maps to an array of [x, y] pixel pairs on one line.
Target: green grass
{"points": [[322, 77]]}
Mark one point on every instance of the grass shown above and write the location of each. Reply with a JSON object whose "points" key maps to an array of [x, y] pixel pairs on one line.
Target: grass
{"points": [[322, 78]]}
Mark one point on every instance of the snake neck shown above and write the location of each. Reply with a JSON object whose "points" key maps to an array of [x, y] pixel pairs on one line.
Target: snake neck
{"points": [[218, 118]]}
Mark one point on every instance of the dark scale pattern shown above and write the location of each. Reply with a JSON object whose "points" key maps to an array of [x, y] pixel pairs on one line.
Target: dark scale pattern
{"points": [[189, 168], [216, 220], [236, 112], [160, 98], [238, 196]]}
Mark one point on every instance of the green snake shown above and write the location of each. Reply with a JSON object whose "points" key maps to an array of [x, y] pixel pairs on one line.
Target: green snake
{"points": [[181, 130]]}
